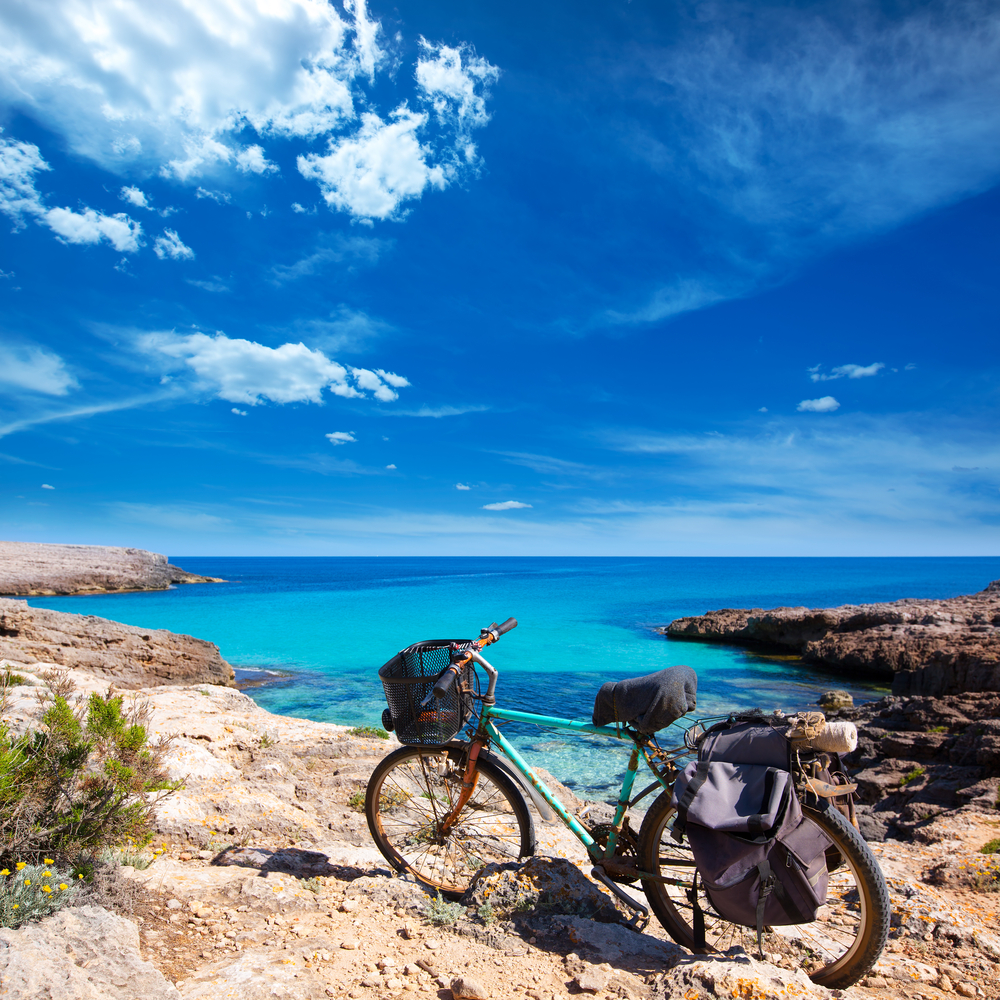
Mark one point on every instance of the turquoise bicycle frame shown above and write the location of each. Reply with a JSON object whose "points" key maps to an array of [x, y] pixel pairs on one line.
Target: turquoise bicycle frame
{"points": [[489, 733]]}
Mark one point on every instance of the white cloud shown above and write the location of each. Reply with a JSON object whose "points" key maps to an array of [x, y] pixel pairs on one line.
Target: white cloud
{"points": [[825, 404], [371, 382], [453, 80], [212, 285], [462, 486], [170, 245], [390, 466], [134, 196], [846, 371], [239, 413], [242, 371], [252, 160], [437, 412], [221, 197], [298, 209], [35, 369], [371, 173], [89, 226], [506, 505], [353, 249], [762, 409], [19, 162], [396, 381], [45, 486], [341, 437]]}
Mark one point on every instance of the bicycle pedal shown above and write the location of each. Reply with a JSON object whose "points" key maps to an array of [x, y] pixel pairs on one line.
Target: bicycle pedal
{"points": [[641, 913]]}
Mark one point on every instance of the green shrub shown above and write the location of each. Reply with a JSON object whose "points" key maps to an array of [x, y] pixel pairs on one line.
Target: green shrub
{"points": [[441, 913], [357, 800], [991, 846], [938, 729], [376, 732], [917, 772], [83, 781], [30, 892]]}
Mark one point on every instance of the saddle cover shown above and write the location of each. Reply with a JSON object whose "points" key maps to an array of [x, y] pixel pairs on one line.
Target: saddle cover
{"points": [[651, 702]]}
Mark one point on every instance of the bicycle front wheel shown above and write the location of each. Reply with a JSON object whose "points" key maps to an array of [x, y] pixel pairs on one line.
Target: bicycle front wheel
{"points": [[836, 950], [413, 791]]}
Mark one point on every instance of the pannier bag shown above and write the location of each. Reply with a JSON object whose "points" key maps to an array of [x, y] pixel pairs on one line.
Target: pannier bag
{"points": [[763, 863]]}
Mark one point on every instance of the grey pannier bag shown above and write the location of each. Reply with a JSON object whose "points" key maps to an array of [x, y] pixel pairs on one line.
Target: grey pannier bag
{"points": [[761, 861]]}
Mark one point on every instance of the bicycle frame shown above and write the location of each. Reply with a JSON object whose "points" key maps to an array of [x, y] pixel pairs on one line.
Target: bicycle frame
{"points": [[488, 733]]}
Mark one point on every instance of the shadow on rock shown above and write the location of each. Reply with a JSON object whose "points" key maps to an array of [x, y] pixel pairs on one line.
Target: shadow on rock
{"points": [[294, 861]]}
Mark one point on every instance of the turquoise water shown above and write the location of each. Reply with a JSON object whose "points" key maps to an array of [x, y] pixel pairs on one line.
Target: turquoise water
{"points": [[332, 622]]}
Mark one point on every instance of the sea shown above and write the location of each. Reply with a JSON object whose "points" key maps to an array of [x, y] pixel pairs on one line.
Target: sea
{"points": [[314, 631]]}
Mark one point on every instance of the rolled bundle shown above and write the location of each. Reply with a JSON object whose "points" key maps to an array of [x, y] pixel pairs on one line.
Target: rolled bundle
{"points": [[836, 737]]}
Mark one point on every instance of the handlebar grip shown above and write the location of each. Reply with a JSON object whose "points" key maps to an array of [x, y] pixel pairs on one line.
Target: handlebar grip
{"points": [[446, 681], [506, 627]]}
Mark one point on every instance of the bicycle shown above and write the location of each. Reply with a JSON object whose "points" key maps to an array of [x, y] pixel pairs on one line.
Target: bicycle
{"points": [[440, 809]]}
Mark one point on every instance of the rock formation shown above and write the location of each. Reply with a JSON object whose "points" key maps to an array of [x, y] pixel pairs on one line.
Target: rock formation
{"points": [[30, 569], [927, 647], [130, 657]]}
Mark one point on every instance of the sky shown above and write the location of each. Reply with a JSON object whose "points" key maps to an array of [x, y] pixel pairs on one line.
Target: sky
{"points": [[290, 277]]}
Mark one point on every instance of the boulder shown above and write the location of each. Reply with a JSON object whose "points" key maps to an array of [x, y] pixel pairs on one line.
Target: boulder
{"points": [[79, 953]]}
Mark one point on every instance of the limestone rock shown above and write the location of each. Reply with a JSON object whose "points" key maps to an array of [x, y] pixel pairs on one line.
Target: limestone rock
{"points": [[130, 657], [551, 884], [464, 988], [928, 647], [29, 569], [79, 953], [834, 701]]}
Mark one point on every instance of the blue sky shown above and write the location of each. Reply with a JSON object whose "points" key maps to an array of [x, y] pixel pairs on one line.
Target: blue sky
{"points": [[614, 278]]}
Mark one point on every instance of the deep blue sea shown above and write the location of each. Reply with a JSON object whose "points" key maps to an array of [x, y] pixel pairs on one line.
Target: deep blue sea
{"points": [[332, 622]]}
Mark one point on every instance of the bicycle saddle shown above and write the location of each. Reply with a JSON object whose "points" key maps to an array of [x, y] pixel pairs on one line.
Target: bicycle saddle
{"points": [[650, 702]]}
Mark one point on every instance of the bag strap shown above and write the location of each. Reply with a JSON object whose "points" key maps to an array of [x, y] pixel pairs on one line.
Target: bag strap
{"points": [[698, 779], [697, 915]]}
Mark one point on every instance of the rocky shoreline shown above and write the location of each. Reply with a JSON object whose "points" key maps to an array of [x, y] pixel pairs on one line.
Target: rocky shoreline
{"points": [[267, 884], [34, 569], [927, 647]]}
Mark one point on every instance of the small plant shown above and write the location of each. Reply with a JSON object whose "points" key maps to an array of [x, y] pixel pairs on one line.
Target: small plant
{"points": [[127, 856], [312, 884], [917, 772], [266, 741], [991, 846], [30, 892], [375, 732], [357, 800], [9, 679], [487, 914], [938, 729], [441, 913], [86, 780]]}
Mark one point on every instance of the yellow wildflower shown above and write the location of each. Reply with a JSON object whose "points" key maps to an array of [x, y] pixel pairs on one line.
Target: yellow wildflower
{"points": [[27, 881], [63, 886], [16, 905], [49, 861], [80, 875], [47, 874], [46, 888], [21, 864], [6, 871]]}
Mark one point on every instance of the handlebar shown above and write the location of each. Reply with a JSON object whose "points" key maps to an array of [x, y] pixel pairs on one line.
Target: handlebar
{"points": [[461, 654]]}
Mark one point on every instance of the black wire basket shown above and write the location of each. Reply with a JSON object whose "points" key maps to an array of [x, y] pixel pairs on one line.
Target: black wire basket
{"points": [[408, 678]]}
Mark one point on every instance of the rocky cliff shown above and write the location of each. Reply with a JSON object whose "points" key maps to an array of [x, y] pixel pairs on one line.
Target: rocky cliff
{"points": [[927, 647], [30, 569], [130, 657]]}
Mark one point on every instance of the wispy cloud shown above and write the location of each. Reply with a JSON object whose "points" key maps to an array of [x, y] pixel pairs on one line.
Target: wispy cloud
{"points": [[80, 412], [340, 437], [354, 249], [437, 412], [506, 505], [825, 404], [804, 128], [35, 369], [845, 371]]}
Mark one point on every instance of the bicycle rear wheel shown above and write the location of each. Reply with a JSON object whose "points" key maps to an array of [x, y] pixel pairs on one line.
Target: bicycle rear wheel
{"points": [[836, 949], [414, 789]]}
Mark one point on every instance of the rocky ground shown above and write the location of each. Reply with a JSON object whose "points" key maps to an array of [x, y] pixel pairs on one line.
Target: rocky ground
{"points": [[927, 647], [30, 569], [268, 886]]}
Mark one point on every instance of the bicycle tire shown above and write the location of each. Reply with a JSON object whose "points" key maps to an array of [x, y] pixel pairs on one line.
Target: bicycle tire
{"points": [[836, 950], [414, 788]]}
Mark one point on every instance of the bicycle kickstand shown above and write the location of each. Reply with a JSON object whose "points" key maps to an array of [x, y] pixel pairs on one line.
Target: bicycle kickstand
{"points": [[641, 915]]}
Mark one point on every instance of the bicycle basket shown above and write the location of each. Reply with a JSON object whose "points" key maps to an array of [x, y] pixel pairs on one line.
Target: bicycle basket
{"points": [[408, 678]]}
